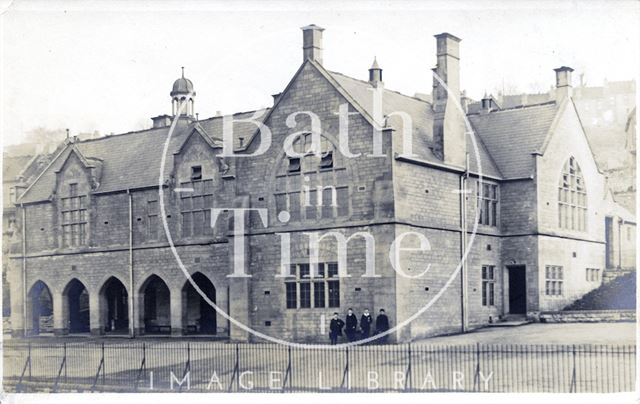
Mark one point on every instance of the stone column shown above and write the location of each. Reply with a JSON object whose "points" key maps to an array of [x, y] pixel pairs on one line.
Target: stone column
{"points": [[14, 277], [59, 326], [176, 312], [239, 286], [95, 326]]}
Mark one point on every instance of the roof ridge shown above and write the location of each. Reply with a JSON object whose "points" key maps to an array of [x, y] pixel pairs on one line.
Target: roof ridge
{"points": [[134, 132], [517, 107], [384, 88]]}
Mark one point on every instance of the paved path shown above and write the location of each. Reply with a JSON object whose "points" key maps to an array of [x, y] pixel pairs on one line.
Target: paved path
{"points": [[571, 333]]}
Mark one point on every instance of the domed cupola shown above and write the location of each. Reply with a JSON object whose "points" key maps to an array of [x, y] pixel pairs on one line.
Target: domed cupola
{"points": [[182, 92]]}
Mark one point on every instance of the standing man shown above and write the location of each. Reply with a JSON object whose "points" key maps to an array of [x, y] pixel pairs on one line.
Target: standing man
{"points": [[352, 325], [365, 324], [335, 328], [382, 325]]}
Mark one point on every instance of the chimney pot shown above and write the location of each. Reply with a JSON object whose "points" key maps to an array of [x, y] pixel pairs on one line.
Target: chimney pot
{"points": [[312, 43]]}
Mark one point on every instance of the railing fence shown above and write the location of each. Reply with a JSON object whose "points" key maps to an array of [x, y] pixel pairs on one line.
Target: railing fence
{"points": [[208, 366]]}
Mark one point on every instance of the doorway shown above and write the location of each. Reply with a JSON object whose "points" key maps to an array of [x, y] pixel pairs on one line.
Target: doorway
{"points": [[517, 289]]}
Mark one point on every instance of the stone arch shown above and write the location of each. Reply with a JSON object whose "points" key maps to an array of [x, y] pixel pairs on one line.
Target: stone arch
{"points": [[76, 307], [39, 309], [114, 306], [198, 316], [155, 306]]}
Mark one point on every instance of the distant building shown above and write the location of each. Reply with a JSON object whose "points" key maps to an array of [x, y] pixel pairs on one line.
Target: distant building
{"points": [[95, 242]]}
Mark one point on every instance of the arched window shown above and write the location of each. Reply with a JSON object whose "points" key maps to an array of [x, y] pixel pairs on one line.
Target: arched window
{"points": [[572, 198], [312, 187]]}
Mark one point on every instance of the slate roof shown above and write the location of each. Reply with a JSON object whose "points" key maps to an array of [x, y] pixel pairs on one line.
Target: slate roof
{"points": [[422, 119], [513, 134], [12, 166], [132, 160]]}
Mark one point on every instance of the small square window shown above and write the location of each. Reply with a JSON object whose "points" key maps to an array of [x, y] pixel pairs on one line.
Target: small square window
{"points": [[294, 165], [196, 173], [327, 160]]}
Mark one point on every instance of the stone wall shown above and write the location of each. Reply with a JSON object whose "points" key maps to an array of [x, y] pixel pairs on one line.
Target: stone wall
{"points": [[589, 316]]}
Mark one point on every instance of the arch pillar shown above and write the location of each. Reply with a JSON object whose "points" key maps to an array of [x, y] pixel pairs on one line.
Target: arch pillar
{"points": [[137, 300], [59, 326], [176, 312], [94, 314], [14, 277]]}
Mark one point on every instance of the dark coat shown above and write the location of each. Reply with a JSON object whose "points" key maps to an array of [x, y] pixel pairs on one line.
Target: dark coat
{"points": [[352, 323], [336, 325], [365, 322], [382, 323]]}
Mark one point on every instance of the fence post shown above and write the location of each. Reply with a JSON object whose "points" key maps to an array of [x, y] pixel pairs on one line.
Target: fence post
{"points": [[143, 366], [476, 376], [345, 374], [103, 367], [100, 368], [187, 366], [408, 372], [287, 374], [30, 380], [63, 364], [236, 369], [27, 364], [572, 386]]}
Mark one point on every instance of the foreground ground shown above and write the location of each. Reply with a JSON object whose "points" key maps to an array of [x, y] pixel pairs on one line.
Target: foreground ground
{"points": [[537, 333]]}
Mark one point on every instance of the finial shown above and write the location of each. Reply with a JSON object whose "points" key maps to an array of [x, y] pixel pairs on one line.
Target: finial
{"points": [[375, 63], [182, 71], [67, 133]]}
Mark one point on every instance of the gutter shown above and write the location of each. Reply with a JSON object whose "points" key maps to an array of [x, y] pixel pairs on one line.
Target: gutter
{"points": [[453, 169], [24, 270], [463, 245], [131, 285]]}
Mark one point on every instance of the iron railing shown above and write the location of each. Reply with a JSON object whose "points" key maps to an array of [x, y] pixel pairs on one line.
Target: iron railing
{"points": [[203, 366]]}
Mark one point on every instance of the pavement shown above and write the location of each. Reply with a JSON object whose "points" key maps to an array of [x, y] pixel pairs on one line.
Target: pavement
{"points": [[623, 333]]}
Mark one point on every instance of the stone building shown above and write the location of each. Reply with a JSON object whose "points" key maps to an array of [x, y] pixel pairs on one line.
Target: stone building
{"points": [[460, 227]]}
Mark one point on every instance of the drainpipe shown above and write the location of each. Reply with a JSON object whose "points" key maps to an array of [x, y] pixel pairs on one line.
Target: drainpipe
{"points": [[131, 286], [463, 245], [24, 270], [620, 223]]}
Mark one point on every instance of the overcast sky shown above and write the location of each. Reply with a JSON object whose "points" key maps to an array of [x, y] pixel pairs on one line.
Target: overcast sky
{"points": [[110, 66]]}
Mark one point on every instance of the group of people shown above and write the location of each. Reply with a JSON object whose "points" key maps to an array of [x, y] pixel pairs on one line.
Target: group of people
{"points": [[351, 329]]}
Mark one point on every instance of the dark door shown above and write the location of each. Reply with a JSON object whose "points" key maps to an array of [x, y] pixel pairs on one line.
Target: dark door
{"points": [[517, 290]]}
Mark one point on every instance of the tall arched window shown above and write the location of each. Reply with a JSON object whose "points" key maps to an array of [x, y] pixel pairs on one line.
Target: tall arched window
{"points": [[312, 187], [572, 198]]}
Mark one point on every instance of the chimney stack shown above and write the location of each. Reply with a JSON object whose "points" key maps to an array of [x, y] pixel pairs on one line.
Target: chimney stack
{"points": [[448, 123], [487, 103], [563, 83], [161, 121], [312, 43]]}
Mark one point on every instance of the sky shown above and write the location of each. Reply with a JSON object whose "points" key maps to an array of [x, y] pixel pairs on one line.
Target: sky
{"points": [[109, 67]]}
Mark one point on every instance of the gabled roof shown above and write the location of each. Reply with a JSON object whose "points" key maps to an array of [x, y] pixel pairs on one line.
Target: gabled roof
{"points": [[512, 135], [132, 160]]}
